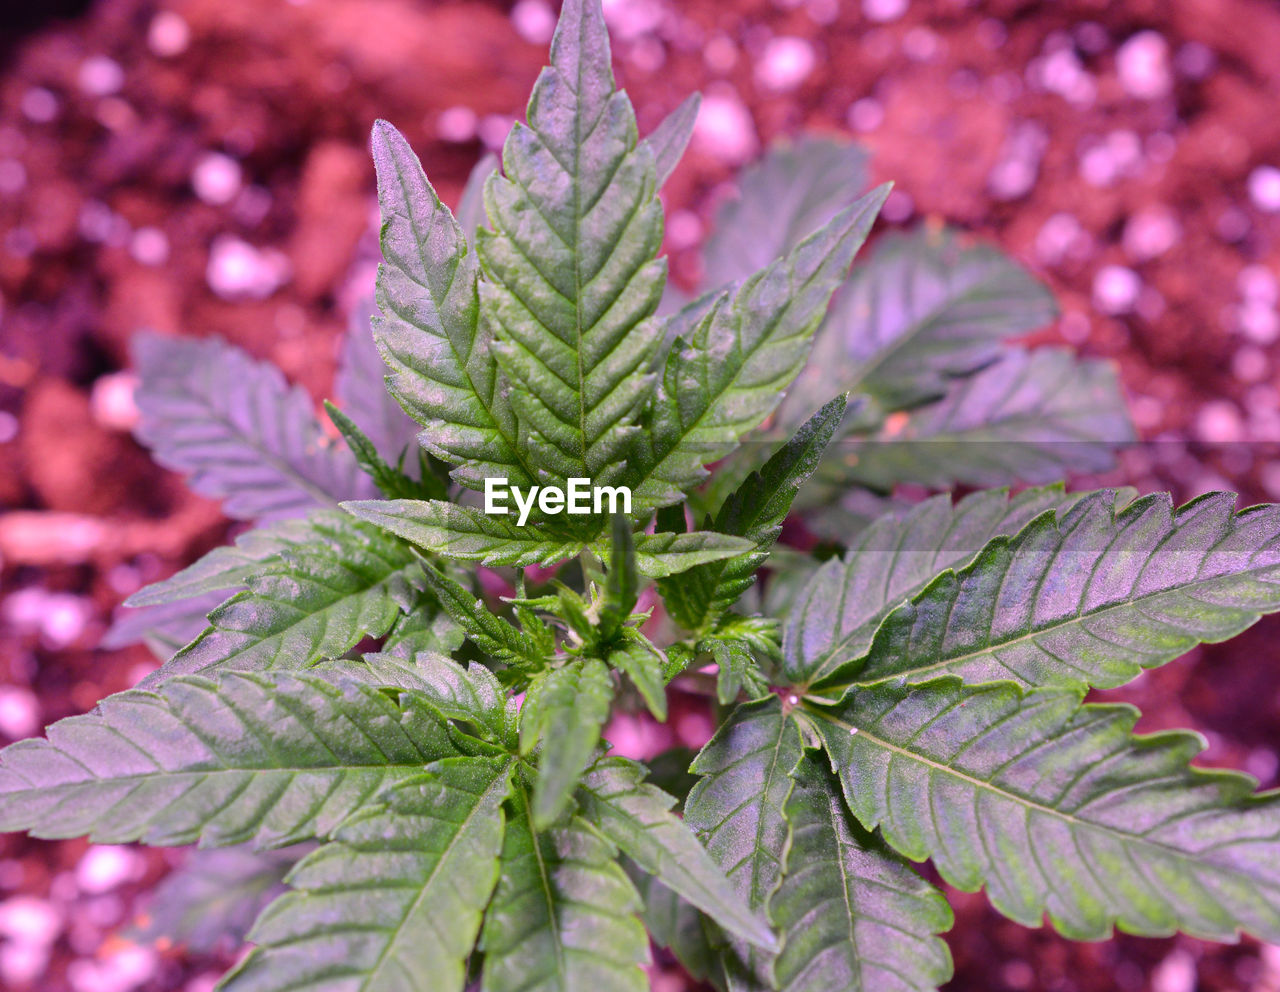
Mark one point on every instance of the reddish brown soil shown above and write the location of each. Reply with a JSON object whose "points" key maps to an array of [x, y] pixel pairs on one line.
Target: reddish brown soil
{"points": [[289, 91]]}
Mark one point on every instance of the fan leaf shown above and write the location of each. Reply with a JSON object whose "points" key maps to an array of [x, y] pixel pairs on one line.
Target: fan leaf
{"points": [[571, 271], [1057, 808], [615, 798], [563, 917], [269, 758], [1088, 597], [853, 914], [394, 902]]}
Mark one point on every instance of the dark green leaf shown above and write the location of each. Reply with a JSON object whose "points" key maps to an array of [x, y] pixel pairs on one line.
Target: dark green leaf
{"points": [[636, 816], [853, 914], [465, 532], [314, 601], [571, 271], [755, 511], [394, 902], [429, 332], [737, 810], [563, 711], [563, 917], [833, 619], [731, 373], [1091, 596], [1058, 808], [271, 758]]}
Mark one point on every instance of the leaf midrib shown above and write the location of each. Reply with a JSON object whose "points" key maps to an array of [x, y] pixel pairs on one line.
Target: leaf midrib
{"points": [[1030, 635], [1074, 821], [463, 828]]}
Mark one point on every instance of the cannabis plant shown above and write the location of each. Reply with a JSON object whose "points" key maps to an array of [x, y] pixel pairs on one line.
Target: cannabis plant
{"points": [[387, 693]]}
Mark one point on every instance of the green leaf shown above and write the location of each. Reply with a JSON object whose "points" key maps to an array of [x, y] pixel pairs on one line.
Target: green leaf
{"points": [[678, 926], [315, 601], [755, 511], [1058, 808], [736, 808], [564, 710], [742, 355], [1032, 416], [209, 902], [392, 482], [394, 902], [834, 618], [622, 585], [490, 633], [466, 692], [226, 568], [1090, 597], [662, 554], [737, 669], [425, 626], [361, 385], [615, 798], [643, 664], [465, 532], [668, 139], [853, 914], [563, 917], [571, 271], [429, 332], [269, 758], [794, 190], [924, 308], [238, 430]]}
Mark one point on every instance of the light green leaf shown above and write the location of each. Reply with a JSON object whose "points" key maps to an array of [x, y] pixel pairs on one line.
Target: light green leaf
{"points": [[615, 798], [1088, 597], [317, 600], [832, 621], [736, 808], [1056, 807], [465, 532], [429, 332], [668, 140], [563, 917], [571, 274], [564, 710], [1032, 417], [794, 190], [662, 554], [853, 915], [394, 902], [754, 511], [731, 373], [270, 758], [923, 308]]}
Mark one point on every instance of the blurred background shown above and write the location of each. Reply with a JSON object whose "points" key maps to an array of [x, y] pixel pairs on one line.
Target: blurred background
{"points": [[199, 167]]}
